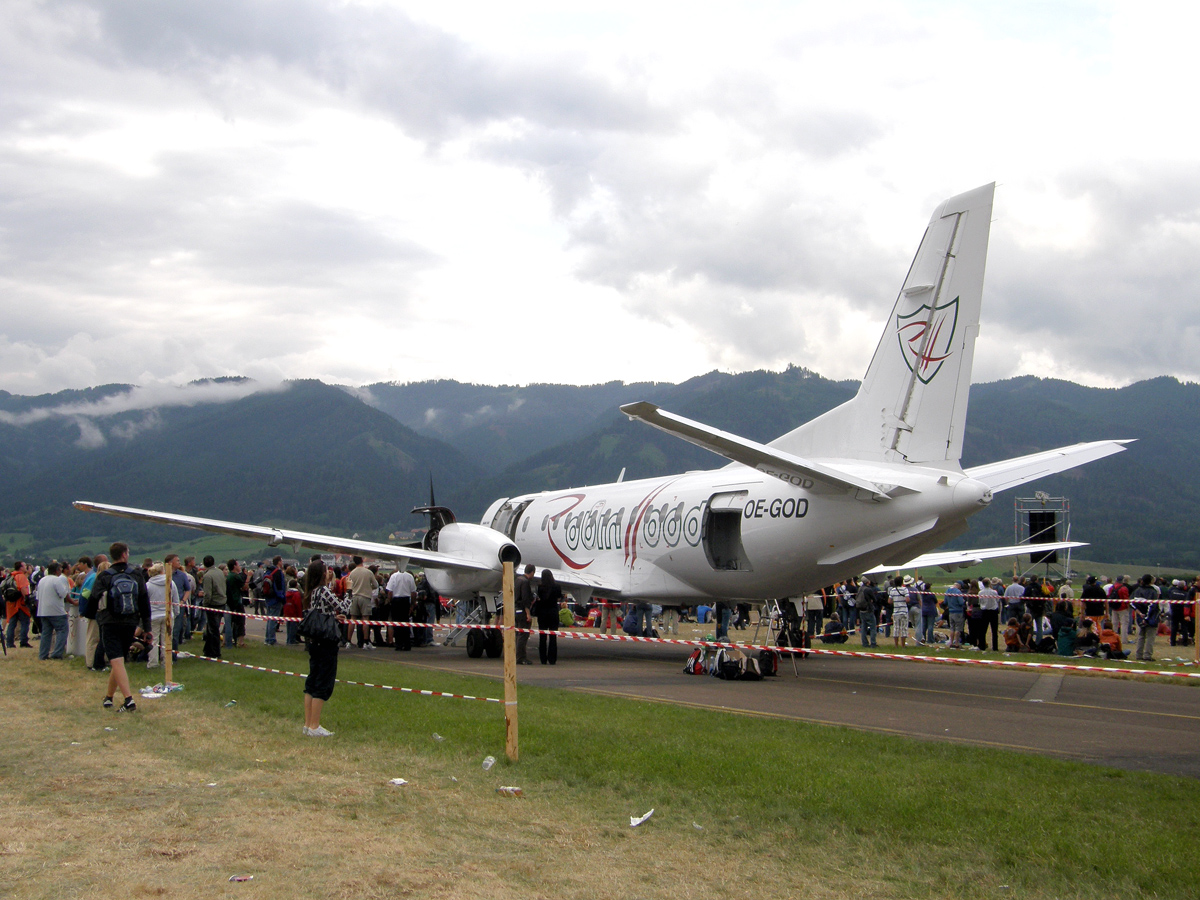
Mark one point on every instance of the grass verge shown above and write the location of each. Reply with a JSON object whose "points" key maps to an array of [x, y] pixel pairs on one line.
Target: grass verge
{"points": [[186, 792]]}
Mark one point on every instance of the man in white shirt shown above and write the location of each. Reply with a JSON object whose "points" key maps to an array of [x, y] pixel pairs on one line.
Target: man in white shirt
{"points": [[401, 586], [52, 593]]}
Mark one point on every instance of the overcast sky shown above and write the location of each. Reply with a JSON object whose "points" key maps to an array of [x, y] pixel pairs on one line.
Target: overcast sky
{"points": [[541, 191]]}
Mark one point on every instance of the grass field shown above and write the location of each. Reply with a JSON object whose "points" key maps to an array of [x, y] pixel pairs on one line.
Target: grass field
{"points": [[187, 792]]}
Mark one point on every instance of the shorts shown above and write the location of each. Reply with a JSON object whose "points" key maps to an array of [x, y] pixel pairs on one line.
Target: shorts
{"points": [[116, 638], [322, 668], [900, 626], [956, 621], [360, 607]]}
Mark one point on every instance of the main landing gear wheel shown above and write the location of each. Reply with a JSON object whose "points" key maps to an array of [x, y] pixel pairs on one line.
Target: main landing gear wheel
{"points": [[477, 641], [495, 644]]}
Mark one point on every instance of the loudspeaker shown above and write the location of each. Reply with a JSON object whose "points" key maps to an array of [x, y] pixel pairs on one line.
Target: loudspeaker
{"points": [[1043, 529]]}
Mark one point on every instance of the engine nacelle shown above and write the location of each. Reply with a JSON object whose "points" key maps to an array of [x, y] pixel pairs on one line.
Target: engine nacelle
{"points": [[478, 544]]}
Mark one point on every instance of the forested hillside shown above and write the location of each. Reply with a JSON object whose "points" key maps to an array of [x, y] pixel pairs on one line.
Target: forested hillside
{"points": [[342, 460]]}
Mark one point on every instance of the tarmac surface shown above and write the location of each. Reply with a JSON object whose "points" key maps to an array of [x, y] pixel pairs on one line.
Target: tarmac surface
{"points": [[1125, 722]]}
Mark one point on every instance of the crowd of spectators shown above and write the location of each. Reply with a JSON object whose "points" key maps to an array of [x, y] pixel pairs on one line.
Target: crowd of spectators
{"points": [[1029, 614]]}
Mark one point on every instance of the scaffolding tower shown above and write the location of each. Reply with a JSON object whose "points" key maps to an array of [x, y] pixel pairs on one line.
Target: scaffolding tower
{"points": [[1042, 519]]}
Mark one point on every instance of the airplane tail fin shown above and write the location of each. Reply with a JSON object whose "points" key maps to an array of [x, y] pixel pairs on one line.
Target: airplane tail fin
{"points": [[912, 404]]}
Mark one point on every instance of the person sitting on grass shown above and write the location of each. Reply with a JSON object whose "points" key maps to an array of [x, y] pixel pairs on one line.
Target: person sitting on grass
{"points": [[1087, 642], [833, 632], [1025, 634], [1012, 636], [1110, 641]]}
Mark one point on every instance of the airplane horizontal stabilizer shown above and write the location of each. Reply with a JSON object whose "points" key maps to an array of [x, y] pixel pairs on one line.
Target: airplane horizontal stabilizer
{"points": [[277, 536], [1009, 473], [956, 559], [778, 463]]}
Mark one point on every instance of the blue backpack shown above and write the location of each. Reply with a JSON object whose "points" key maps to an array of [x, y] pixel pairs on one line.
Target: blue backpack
{"points": [[123, 594]]}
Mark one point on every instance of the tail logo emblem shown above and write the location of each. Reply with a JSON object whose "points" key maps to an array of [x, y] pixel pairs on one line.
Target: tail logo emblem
{"points": [[923, 357]]}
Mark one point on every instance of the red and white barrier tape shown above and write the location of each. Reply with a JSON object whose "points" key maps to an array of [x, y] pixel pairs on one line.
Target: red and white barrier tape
{"points": [[803, 651], [386, 687]]}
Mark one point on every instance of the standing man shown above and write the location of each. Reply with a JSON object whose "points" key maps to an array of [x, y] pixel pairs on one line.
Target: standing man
{"points": [[522, 604], [956, 612], [1118, 606], [181, 629], [123, 614], [864, 602], [1014, 600], [401, 586], [16, 599], [53, 591], [274, 591], [1145, 616], [362, 586], [989, 605], [212, 584], [235, 619]]}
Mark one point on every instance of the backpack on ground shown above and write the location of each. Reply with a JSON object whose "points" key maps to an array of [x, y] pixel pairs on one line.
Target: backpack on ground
{"points": [[695, 663], [727, 664], [768, 662], [750, 669], [123, 594]]}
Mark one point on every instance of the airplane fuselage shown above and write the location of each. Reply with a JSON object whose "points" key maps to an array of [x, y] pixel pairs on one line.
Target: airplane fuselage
{"points": [[732, 533]]}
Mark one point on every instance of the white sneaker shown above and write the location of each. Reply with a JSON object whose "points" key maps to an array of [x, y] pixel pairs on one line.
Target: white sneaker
{"points": [[368, 646], [319, 732], [306, 731]]}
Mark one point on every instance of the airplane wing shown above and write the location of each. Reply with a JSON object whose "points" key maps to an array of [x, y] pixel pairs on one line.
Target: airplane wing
{"points": [[1008, 473], [758, 456], [275, 536], [957, 559]]}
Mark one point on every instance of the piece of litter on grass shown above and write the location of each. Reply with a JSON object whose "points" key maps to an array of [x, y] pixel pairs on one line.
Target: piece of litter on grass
{"points": [[109, 727], [697, 826], [211, 783], [399, 782], [635, 821], [231, 702], [239, 877], [438, 737], [1032, 700], [455, 780], [488, 762], [76, 743]]}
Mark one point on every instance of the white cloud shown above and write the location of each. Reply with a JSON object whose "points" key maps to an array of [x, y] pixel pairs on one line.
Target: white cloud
{"points": [[377, 191]]}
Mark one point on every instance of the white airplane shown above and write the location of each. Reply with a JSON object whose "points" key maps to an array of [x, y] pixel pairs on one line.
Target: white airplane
{"points": [[871, 485]]}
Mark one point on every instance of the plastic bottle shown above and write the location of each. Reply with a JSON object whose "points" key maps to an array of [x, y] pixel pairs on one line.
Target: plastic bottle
{"points": [[509, 790], [488, 762]]}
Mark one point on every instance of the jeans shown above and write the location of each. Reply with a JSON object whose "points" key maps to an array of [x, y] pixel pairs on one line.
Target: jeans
{"points": [[181, 629], [53, 627], [925, 629], [21, 618], [723, 623], [645, 619], [274, 608], [866, 620]]}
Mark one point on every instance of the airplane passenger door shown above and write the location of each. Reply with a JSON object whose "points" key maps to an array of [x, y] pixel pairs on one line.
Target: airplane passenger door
{"points": [[722, 532], [507, 517]]}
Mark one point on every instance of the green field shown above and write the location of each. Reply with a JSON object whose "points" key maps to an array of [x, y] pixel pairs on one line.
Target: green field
{"points": [[742, 806]]}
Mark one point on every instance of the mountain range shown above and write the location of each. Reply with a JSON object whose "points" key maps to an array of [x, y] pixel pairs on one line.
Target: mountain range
{"points": [[357, 460]]}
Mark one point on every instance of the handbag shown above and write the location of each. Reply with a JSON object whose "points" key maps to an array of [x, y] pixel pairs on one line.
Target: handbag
{"points": [[320, 625]]}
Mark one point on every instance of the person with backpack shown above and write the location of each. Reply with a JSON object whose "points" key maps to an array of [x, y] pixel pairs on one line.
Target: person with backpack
{"points": [[123, 615], [1145, 616], [15, 589], [274, 592]]}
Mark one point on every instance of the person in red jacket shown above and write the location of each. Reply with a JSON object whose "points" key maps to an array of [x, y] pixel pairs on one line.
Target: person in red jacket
{"points": [[16, 603]]}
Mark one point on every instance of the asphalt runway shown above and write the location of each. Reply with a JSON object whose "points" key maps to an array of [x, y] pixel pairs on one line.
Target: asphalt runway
{"points": [[1123, 722]]}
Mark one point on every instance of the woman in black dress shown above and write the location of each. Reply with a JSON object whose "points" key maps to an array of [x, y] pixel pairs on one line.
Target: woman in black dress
{"points": [[322, 653], [549, 595]]}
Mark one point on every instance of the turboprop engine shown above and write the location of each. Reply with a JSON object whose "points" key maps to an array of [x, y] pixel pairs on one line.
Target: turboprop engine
{"points": [[477, 543]]}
